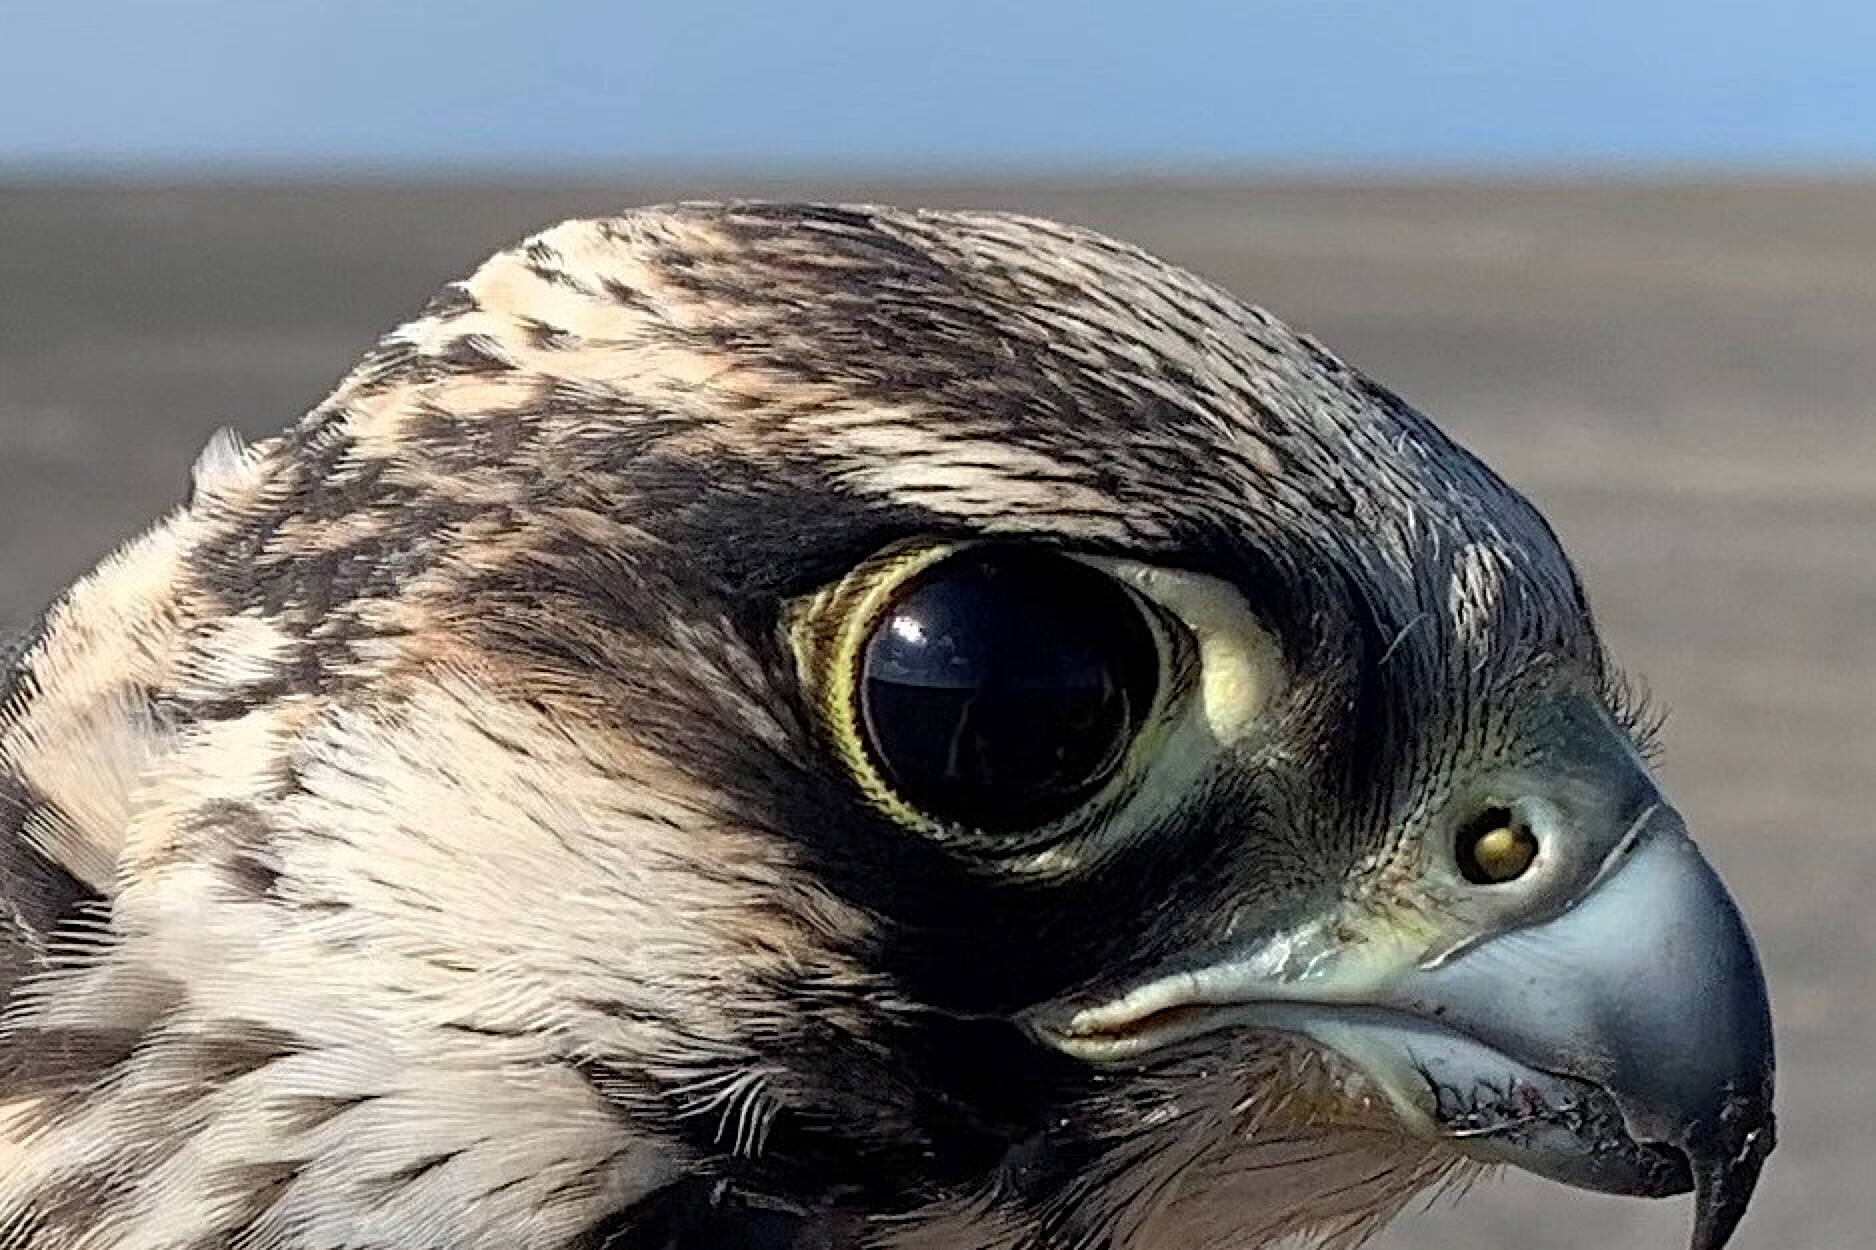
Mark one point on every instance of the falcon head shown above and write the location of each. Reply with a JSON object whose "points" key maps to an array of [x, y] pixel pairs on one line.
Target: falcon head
{"points": [[801, 726]]}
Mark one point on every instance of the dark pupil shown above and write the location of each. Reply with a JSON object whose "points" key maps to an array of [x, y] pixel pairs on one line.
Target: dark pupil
{"points": [[1003, 686]]}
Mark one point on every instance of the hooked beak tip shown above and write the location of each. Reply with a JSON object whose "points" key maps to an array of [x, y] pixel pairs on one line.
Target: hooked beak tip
{"points": [[1726, 1167]]}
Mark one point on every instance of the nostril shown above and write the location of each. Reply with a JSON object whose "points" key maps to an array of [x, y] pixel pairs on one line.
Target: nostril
{"points": [[1494, 847]]}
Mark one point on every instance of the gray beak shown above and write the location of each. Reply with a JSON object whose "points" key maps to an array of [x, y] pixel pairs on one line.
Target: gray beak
{"points": [[1623, 1044], [1647, 992]]}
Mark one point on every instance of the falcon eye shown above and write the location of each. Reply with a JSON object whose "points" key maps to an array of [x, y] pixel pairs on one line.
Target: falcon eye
{"points": [[1000, 687], [1495, 847]]}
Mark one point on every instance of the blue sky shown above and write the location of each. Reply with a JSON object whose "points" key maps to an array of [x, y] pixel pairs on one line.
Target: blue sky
{"points": [[908, 83]]}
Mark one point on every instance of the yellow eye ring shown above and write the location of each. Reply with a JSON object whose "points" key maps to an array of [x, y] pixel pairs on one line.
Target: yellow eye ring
{"points": [[827, 632]]}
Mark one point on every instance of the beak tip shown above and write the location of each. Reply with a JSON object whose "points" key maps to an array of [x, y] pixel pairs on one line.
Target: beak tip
{"points": [[1726, 1171]]}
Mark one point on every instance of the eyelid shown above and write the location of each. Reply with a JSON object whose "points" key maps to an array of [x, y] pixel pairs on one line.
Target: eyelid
{"points": [[1240, 662]]}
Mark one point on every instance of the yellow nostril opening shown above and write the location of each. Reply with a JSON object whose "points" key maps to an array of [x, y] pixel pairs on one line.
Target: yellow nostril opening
{"points": [[1495, 848]]}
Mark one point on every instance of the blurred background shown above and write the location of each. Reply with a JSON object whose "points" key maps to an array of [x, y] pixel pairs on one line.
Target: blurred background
{"points": [[1626, 249]]}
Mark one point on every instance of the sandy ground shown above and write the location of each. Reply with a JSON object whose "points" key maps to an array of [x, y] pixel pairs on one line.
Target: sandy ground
{"points": [[1681, 376]]}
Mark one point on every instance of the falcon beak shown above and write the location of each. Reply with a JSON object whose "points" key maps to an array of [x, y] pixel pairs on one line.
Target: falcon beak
{"points": [[1623, 1044]]}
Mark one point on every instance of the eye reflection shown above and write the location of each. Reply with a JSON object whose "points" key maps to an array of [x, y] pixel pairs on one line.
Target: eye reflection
{"points": [[1494, 847], [1003, 685]]}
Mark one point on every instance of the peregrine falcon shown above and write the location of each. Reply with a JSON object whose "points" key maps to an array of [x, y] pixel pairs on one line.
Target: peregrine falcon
{"points": [[792, 726]]}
